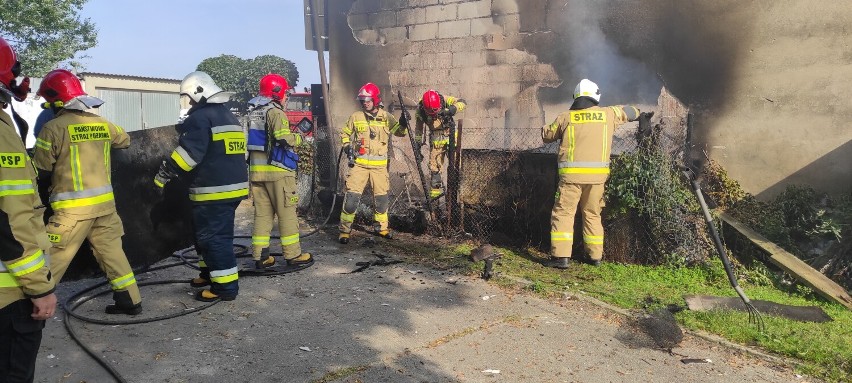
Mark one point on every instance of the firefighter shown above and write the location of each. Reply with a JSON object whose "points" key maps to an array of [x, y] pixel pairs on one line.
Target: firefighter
{"points": [[432, 109], [43, 117], [26, 285], [272, 173], [72, 155], [365, 138], [210, 158], [585, 138]]}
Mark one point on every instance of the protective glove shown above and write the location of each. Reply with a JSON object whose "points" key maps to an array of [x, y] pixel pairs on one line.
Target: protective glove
{"points": [[448, 111], [646, 115], [645, 123], [164, 175], [348, 150], [20, 91]]}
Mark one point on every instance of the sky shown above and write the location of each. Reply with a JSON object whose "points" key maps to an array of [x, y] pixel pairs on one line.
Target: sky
{"points": [[169, 38]]}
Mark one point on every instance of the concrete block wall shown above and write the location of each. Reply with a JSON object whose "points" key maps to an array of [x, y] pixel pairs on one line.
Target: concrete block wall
{"points": [[464, 48], [744, 73]]}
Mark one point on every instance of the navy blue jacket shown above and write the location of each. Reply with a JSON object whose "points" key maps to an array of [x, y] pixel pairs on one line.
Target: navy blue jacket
{"points": [[210, 155]]}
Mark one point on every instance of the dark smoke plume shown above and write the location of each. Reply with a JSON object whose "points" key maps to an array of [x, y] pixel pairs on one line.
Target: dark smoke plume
{"points": [[632, 48]]}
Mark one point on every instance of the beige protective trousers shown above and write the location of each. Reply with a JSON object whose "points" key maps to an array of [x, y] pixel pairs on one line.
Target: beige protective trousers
{"points": [[437, 156], [589, 198], [273, 198], [357, 180], [67, 233]]}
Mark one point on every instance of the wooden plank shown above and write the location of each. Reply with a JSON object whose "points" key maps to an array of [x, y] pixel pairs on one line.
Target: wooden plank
{"points": [[792, 264]]}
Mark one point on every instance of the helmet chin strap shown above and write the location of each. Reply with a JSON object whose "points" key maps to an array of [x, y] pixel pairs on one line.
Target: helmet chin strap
{"points": [[5, 95], [23, 126]]}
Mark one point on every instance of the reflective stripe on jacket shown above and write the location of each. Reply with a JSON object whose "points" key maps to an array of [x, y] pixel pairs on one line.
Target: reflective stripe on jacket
{"points": [[23, 240], [369, 136], [76, 147], [586, 141], [211, 155]]}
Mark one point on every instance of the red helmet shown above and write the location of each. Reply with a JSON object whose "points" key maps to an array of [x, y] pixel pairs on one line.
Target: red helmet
{"points": [[370, 92], [9, 66], [60, 85], [432, 102], [274, 86]]}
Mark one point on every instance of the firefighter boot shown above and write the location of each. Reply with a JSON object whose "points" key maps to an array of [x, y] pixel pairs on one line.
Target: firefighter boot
{"points": [[557, 262], [123, 304], [343, 238], [209, 296], [265, 260], [303, 259], [386, 234], [199, 281]]}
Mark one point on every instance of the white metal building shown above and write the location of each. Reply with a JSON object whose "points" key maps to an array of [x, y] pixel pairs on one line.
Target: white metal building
{"points": [[132, 102]]}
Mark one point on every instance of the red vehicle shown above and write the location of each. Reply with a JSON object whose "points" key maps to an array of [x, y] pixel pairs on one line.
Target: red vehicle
{"points": [[298, 110]]}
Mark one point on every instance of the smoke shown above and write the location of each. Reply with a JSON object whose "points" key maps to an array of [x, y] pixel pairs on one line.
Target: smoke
{"points": [[695, 46], [631, 49], [583, 50]]}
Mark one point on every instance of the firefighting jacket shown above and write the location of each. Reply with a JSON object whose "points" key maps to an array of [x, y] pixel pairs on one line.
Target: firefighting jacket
{"points": [[439, 135], [271, 144], [368, 136], [23, 240], [210, 155], [586, 140], [75, 147]]}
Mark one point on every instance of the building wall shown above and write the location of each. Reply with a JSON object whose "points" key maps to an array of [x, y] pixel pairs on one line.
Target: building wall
{"points": [[135, 103], [768, 81], [459, 48]]}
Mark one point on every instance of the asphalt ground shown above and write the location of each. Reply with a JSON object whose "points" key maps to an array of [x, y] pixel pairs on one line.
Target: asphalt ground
{"points": [[401, 322]]}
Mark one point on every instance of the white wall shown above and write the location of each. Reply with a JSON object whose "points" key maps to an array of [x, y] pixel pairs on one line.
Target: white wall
{"points": [[29, 109]]}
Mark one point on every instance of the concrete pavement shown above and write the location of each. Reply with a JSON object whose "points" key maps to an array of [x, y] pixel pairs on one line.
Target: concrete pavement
{"points": [[395, 323]]}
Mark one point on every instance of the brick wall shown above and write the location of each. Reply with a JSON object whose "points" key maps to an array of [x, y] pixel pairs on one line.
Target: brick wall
{"points": [[466, 49]]}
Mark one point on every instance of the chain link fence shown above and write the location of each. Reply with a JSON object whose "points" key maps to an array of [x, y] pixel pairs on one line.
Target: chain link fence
{"points": [[499, 188]]}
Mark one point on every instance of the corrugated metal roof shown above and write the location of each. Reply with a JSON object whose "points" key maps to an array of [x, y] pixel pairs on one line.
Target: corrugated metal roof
{"points": [[82, 74]]}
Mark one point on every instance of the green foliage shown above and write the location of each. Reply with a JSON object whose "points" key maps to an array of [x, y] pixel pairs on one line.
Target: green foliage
{"points": [[306, 153], [626, 176], [722, 189], [242, 76], [797, 214], [46, 33], [767, 219], [803, 214], [646, 182], [824, 226], [801, 220]]}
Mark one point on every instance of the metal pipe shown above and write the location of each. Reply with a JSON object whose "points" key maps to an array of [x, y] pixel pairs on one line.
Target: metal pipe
{"points": [[318, 45]]}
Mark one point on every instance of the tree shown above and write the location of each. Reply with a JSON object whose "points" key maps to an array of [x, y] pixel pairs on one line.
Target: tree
{"points": [[238, 75], [46, 33]]}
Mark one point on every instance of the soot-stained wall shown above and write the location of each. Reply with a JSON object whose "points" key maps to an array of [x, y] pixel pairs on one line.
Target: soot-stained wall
{"points": [[767, 81]]}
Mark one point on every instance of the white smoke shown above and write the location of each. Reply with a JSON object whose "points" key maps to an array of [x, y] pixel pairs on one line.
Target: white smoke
{"points": [[590, 55]]}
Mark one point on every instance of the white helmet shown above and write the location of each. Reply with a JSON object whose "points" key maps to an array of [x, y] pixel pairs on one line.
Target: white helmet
{"points": [[199, 86], [589, 89]]}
